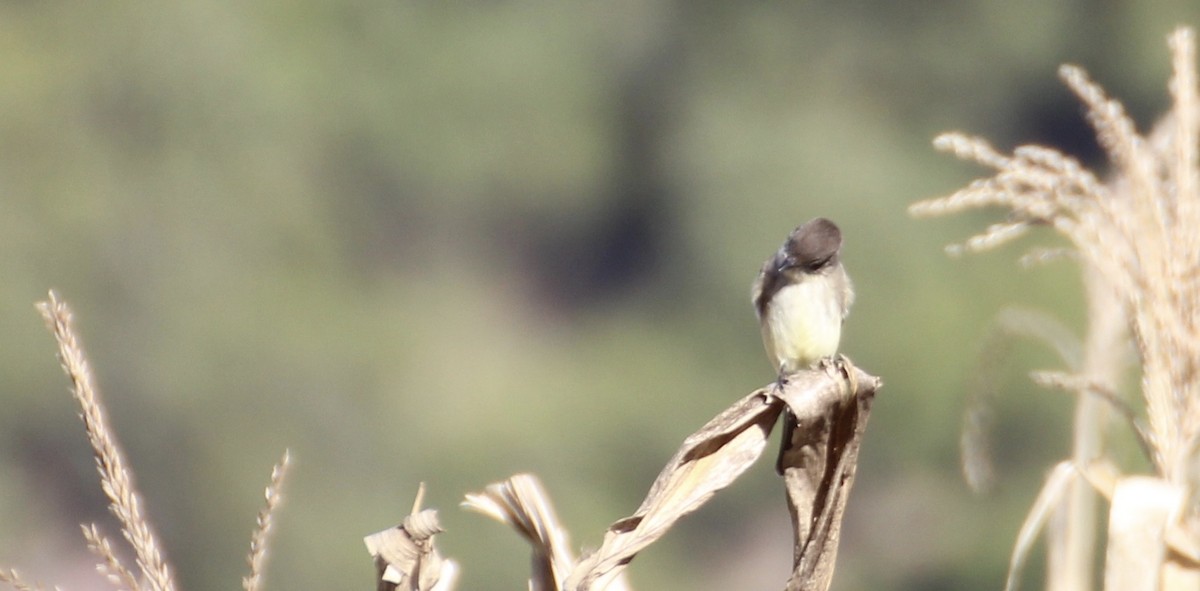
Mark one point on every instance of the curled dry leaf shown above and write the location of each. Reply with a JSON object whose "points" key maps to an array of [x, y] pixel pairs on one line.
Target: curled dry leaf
{"points": [[709, 460], [821, 451], [818, 461], [523, 504], [405, 558]]}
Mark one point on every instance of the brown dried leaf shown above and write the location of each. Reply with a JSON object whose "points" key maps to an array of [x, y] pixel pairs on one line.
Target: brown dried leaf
{"points": [[523, 504], [709, 460], [818, 461], [405, 558]]}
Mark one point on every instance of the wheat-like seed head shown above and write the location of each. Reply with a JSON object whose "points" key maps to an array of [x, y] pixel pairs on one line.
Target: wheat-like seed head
{"points": [[257, 559], [115, 478], [1140, 231]]}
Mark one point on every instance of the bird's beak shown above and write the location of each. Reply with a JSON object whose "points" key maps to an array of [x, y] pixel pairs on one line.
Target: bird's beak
{"points": [[787, 263]]}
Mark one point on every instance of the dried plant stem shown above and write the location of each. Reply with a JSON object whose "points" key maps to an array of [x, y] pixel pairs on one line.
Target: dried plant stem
{"points": [[1072, 544], [258, 540], [115, 478]]}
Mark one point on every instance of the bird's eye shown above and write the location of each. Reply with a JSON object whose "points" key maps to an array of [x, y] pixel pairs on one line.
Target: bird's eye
{"points": [[818, 264]]}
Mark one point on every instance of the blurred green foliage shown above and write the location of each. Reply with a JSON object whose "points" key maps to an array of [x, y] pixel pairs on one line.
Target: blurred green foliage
{"points": [[452, 241]]}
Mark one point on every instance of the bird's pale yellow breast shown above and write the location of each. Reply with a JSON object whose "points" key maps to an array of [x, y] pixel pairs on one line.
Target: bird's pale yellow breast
{"points": [[803, 323]]}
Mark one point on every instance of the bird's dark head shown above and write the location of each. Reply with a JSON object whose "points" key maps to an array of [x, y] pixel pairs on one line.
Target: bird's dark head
{"points": [[812, 247]]}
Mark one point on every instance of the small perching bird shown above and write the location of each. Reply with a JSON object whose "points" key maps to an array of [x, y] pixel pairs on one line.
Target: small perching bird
{"points": [[801, 297]]}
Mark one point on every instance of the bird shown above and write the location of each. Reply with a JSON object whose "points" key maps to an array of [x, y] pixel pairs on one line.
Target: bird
{"points": [[801, 296]]}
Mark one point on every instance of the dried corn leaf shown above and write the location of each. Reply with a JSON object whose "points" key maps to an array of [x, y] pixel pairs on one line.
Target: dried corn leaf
{"points": [[523, 504], [709, 460], [818, 459], [1043, 508], [1142, 511], [405, 558]]}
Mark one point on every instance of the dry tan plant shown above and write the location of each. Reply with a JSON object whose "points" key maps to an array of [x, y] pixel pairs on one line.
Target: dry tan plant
{"points": [[405, 557], [1137, 237], [257, 559], [153, 572], [831, 407]]}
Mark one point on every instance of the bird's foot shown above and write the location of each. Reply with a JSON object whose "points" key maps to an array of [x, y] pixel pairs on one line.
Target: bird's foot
{"points": [[840, 368], [781, 379]]}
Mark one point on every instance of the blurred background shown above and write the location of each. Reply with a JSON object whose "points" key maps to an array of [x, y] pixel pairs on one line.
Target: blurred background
{"points": [[448, 242]]}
